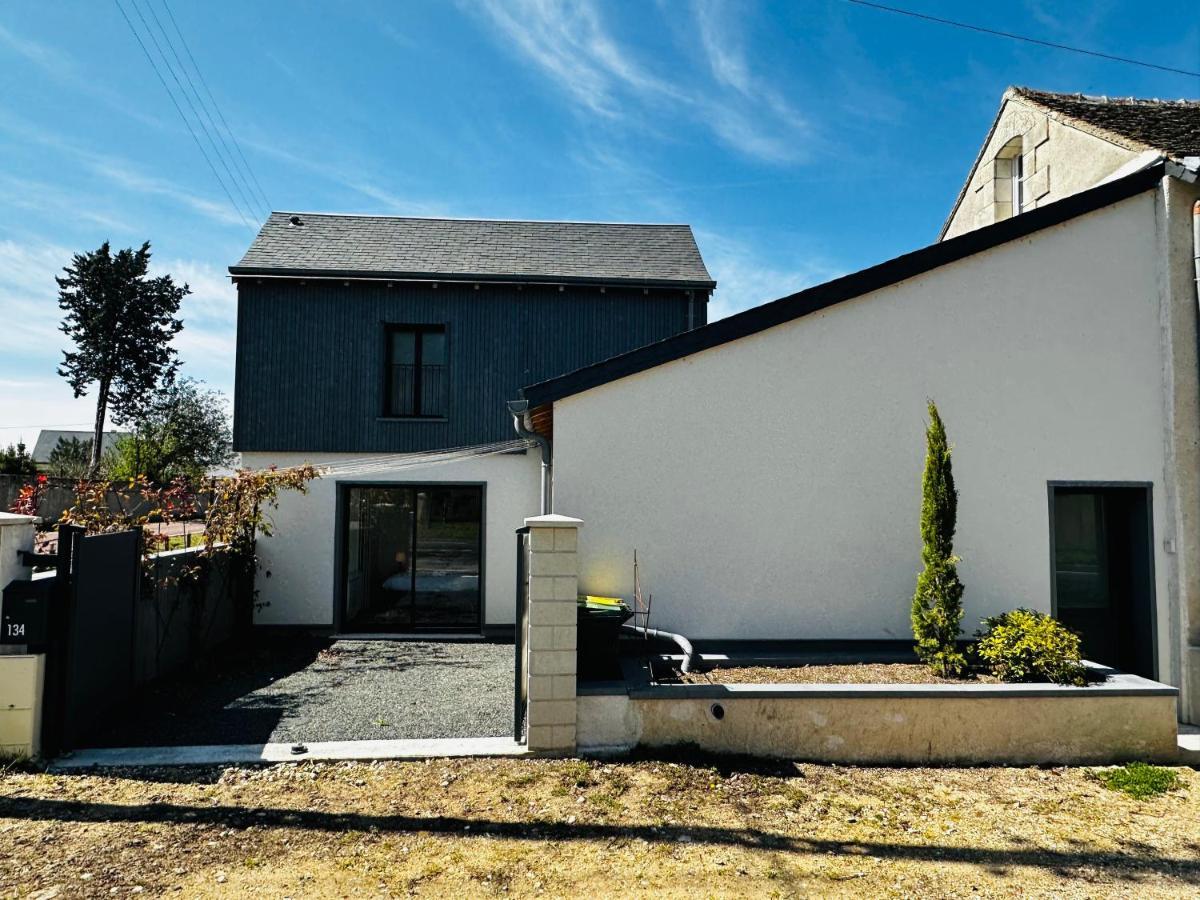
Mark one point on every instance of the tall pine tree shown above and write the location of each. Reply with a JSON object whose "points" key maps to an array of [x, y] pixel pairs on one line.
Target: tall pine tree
{"points": [[121, 323], [937, 604]]}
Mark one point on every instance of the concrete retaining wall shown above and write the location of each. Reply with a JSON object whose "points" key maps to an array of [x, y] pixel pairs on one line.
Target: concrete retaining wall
{"points": [[1126, 718]]}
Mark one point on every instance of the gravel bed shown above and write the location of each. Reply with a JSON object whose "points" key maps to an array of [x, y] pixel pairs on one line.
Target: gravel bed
{"points": [[306, 690], [859, 673]]}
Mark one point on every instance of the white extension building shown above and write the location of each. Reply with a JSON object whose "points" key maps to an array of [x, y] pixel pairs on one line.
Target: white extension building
{"points": [[766, 468]]}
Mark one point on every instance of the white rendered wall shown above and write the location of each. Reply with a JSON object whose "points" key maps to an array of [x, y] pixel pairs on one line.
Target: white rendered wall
{"points": [[297, 577], [771, 486]]}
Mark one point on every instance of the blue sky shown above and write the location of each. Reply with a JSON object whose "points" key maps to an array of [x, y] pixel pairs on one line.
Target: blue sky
{"points": [[801, 140]]}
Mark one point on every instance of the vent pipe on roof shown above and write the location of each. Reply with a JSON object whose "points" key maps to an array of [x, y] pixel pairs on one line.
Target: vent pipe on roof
{"points": [[295, 220], [519, 410]]}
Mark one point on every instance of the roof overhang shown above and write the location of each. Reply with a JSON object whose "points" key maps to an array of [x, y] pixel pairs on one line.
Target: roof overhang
{"points": [[466, 278], [823, 296]]}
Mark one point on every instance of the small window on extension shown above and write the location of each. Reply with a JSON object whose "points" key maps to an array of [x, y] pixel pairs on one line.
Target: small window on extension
{"points": [[417, 384]]}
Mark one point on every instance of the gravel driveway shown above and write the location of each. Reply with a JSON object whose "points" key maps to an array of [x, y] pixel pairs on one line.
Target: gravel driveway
{"points": [[301, 689]]}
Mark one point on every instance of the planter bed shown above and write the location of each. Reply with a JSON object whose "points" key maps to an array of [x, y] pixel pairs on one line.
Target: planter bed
{"points": [[918, 721], [859, 673]]}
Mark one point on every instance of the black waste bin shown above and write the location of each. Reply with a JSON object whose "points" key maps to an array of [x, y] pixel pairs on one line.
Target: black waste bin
{"points": [[599, 628]]}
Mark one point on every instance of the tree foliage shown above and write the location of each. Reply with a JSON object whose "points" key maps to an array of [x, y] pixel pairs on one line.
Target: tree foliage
{"points": [[937, 604], [15, 460], [121, 322], [183, 432], [70, 458]]}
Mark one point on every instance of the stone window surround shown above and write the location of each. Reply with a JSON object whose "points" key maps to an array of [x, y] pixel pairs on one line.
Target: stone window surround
{"points": [[995, 176]]}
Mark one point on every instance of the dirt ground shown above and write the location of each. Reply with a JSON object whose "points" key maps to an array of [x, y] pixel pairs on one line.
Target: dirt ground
{"points": [[568, 827], [857, 673]]}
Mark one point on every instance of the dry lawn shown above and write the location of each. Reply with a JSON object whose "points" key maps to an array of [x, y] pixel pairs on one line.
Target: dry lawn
{"points": [[700, 828]]}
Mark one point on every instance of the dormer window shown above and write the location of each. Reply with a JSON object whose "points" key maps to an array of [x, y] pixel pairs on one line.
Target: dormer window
{"points": [[1009, 175]]}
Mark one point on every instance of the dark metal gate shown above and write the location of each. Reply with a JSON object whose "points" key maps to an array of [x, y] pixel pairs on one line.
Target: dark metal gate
{"points": [[89, 658], [520, 685]]}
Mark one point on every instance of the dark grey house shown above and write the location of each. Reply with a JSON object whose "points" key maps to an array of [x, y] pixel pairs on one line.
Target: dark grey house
{"points": [[363, 335]]}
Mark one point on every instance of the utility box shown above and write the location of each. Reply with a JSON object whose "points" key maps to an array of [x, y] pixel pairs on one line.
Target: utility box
{"points": [[21, 680]]}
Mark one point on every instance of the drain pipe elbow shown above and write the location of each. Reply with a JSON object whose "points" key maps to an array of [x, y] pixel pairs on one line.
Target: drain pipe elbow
{"points": [[519, 410], [689, 652]]}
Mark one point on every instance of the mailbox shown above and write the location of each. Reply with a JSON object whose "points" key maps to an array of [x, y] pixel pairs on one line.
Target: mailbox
{"points": [[25, 612]]}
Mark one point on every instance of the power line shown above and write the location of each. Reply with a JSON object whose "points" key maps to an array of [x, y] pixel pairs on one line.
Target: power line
{"points": [[239, 180], [179, 110], [187, 99], [220, 115], [54, 425], [1020, 37]]}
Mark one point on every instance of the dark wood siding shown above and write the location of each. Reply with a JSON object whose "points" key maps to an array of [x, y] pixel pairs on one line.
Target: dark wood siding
{"points": [[310, 356]]}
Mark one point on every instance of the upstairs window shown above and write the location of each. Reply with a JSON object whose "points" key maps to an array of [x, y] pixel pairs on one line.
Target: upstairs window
{"points": [[417, 384], [1010, 175]]}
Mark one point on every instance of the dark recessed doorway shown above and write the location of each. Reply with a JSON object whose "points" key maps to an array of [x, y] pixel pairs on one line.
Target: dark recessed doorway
{"points": [[1102, 567], [412, 558]]}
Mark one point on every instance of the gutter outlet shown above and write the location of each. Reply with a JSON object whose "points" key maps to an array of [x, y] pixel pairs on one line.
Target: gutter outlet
{"points": [[519, 410]]}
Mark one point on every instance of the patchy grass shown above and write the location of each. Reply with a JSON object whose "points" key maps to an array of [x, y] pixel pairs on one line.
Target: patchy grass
{"points": [[1139, 780], [723, 827]]}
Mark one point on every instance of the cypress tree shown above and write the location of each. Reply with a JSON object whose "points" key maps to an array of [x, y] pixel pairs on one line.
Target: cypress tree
{"points": [[937, 604]]}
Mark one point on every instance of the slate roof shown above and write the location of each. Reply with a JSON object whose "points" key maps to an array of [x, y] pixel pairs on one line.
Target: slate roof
{"points": [[47, 440], [1172, 126], [475, 249]]}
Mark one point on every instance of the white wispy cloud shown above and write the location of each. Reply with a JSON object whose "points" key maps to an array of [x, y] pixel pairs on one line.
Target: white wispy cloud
{"points": [[128, 176], [354, 177], [570, 43], [745, 278], [34, 195], [64, 69], [124, 173]]}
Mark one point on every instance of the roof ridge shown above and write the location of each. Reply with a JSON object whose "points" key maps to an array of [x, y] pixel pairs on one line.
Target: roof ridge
{"points": [[499, 221], [1034, 93]]}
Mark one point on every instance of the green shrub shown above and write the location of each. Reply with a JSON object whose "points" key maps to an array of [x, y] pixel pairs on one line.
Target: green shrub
{"points": [[1140, 780], [1024, 645], [937, 603]]}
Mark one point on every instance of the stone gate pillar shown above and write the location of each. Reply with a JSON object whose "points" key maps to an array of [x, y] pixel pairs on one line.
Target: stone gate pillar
{"points": [[550, 639]]}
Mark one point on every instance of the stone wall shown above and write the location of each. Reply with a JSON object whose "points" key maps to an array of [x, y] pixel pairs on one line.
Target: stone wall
{"points": [[1057, 159], [550, 640]]}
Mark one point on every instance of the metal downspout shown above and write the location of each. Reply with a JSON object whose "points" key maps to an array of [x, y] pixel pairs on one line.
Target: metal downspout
{"points": [[519, 410], [1196, 246]]}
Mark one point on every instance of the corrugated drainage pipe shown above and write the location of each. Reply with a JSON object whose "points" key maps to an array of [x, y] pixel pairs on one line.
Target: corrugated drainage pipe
{"points": [[518, 409], [685, 645]]}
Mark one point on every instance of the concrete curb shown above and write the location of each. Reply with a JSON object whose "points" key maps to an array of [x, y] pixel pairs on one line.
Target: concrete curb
{"points": [[250, 754]]}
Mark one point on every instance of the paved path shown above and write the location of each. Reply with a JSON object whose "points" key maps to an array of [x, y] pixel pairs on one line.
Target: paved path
{"points": [[348, 690], [249, 754]]}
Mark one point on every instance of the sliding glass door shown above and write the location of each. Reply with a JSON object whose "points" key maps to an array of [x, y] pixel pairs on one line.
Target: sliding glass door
{"points": [[413, 558]]}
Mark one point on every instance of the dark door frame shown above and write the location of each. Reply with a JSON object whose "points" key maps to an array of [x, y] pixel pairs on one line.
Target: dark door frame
{"points": [[342, 551], [1148, 488]]}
